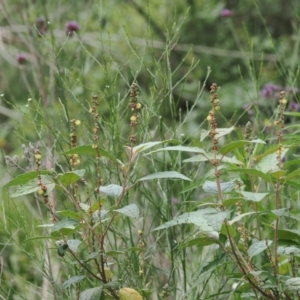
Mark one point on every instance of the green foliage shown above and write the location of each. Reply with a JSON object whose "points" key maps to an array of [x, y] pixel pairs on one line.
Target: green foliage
{"points": [[128, 174]]}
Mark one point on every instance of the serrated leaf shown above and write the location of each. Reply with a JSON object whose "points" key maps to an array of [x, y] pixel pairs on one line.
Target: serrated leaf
{"points": [[234, 145], [24, 178], [166, 175], [145, 146], [90, 150], [73, 245], [256, 197], [258, 247], [112, 190], [72, 280], [32, 186], [69, 224], [130, 210], [91, 294], [211, 187], [70, 177], [180, 148]]}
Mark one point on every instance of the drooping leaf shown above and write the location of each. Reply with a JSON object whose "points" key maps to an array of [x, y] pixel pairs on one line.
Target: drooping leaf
{"points": [[112, 190], [73, 245], [25, 178], [256, 197], [166, 175], [72, 280], [130, 210], [146, 146], [211, 187], [70, 177], [91, 294], [32, 186], [258, 247], [90, 150]]}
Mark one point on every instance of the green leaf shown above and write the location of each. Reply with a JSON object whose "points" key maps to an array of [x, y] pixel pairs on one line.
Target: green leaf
{"points": [[167, 175], [70, 214], [103, 214], [258, 247], [72, 280], [253, 172], [91, 294], [211, 187], [279, 212], [180, 148], [70, 177], [196, 158], [289, 251], [289, 235], [112, 190], [73, 245], [234, 145], [256, 197], [292, 175], [90, 150], [32, 186], [269, 162], [24, 178], [199, 242], [293, 284], [145, 146], [240, 217], [68, 224], [130, 210]]}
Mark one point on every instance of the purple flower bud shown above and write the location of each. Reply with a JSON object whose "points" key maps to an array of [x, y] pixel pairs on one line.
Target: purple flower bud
{"points": [[226, 13], [41, 25], [21, 58], [271, 90], [71, 27]]}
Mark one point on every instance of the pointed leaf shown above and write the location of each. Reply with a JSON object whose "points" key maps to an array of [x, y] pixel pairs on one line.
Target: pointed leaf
{"points": [[279, 212], [70, 177], [234, 145], [197, 158], [70, 214], [167, 175], [292, 175], [72, 280], [69, 224], [112, 190], [179, 148], [269, 162], [91, 294], [240, 217], [24, 178], [253, 172], [293, 284], [32, 186], [90, 150], [145, 146], [256, 197], [211, 187], [130, 210], [199, 242], [258, 247], [103, 214]]}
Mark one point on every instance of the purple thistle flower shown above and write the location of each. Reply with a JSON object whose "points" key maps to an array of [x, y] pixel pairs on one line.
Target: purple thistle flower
{"points": [[226, 13], [71, 27], [294, 106], [21, 58], [271, 90]]}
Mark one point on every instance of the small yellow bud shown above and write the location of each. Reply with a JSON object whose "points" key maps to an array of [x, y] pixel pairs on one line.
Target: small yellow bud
{"points": [[208, 118], [37, 156], [77, 123], [40, 192], [217, 107], [129, 294], [133, 119], [140, 232], [138, 106], [283, 101]]}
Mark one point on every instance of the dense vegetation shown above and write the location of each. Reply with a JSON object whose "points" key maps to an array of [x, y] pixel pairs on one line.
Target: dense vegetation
{"points": [[149, 149]]}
